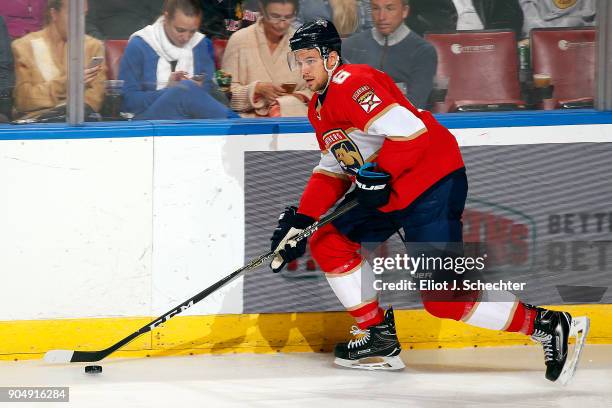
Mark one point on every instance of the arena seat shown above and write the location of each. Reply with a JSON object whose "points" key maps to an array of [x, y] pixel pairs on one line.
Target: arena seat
{"points": [[114, 52], [482, 68], [219, 45], [116, 48], [568, 55]]}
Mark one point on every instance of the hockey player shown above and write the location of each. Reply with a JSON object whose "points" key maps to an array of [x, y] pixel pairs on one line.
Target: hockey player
{"points": [[406, 171]]}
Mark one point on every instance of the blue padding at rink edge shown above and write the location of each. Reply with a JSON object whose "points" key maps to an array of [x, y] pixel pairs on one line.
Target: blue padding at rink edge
{"points": [[96, 130]]}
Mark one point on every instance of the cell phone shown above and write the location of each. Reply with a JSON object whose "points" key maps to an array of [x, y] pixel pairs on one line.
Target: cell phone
{"points": [[95, 61], [198, 77]]}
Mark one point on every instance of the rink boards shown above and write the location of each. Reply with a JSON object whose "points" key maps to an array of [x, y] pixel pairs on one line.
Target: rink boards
{"points": [[104, 228]]}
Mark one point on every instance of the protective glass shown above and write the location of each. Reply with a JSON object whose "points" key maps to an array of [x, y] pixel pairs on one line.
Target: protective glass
{"points": [[296, 64]]}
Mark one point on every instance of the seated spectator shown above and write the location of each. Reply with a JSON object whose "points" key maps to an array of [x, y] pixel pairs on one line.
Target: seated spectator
{"points": [[557, 13], [41, 66], [118, 19], [256, 57], [23, 16], [7, 75], [349, 16], [445, 15], [393, 48], [168, 68], [222, 18], [250, 12]]}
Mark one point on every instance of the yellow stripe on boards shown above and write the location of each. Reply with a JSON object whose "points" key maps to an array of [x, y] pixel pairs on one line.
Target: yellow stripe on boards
{"points": [[34, 337], [259, 333]]}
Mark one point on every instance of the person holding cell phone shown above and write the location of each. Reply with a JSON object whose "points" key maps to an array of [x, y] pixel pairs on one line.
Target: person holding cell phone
{"points": [[256, 58], [168, 69], [41, 66]]}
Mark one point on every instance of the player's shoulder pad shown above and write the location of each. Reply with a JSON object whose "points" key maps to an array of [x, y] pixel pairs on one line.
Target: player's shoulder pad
{"points": [[349, 74], [352, 79], [357, 83]]}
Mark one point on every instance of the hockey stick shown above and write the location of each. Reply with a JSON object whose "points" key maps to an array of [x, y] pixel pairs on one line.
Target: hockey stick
{"points": [[74, 356]]}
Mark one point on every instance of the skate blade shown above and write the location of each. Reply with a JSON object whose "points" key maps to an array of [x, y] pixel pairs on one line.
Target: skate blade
{"points": [[373, 363], [580, 329]]}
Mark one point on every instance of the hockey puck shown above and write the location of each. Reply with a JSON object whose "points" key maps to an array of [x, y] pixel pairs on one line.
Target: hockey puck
{"points": [[93, 369]]}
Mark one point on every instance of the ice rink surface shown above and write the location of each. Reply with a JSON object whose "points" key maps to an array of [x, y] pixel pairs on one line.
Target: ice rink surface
{"points": [[475, 377]]}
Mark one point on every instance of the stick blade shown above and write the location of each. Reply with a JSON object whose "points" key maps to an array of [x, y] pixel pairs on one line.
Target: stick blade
{"points": [[58, 356], [90, 356]]}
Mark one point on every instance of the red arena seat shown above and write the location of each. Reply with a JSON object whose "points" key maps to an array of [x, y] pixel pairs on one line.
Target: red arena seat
{"points": [[219, 47], [114, 52], [568, 55], [482, 68], [116, 48]]}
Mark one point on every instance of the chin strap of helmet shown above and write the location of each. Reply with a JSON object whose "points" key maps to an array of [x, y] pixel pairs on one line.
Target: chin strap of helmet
{"points": [[325, 55]]}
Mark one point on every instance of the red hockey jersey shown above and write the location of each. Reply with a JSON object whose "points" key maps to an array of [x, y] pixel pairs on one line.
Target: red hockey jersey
{"points": [[365, 118]]}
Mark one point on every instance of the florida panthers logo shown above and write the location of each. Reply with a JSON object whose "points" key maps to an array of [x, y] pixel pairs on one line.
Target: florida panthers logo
{"points": [[344, 149]]}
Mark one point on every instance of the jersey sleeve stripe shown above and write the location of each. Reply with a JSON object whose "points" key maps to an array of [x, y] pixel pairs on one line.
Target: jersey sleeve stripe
{"points": [[378, 116], [372, 157], [407, 138], [331, 173]]}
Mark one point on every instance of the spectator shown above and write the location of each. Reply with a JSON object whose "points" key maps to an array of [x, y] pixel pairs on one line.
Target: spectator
{"points": [[557, 13], [222, 18], [161, 66], [118, 19], [393, 48], [251, 12], [256, 57], [7, 74], [23, 16], [442, 15], [349, 16], [41, 65]]}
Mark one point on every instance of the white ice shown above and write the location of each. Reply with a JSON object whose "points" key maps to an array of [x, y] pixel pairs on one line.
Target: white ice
{"points": [[475, 377]]}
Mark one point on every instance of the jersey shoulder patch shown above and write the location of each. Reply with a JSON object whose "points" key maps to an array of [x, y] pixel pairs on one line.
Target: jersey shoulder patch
{"points": [[358, 85], [366, 98]]}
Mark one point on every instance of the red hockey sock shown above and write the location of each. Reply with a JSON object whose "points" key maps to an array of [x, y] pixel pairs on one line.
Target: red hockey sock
{"points": [[523, 319], [506, 314], [368, 315]]}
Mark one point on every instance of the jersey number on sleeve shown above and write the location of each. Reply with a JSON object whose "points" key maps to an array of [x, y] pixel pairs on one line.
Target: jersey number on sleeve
{"points": [[340, 77]]}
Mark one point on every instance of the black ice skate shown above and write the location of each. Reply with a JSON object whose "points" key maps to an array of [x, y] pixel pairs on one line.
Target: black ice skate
{"points": [[553, 329], [375, 348]]}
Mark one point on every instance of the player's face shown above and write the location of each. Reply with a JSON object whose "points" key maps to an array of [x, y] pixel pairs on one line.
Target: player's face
{"points": [[311, 68], [388, 15]]}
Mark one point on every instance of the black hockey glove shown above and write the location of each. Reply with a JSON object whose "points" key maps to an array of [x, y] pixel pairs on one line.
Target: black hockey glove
{"points": [[373, 187], [290, 223]]}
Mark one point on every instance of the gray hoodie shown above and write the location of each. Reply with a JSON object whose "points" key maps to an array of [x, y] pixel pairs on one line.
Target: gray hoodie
{"points": [[557, 13]]}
